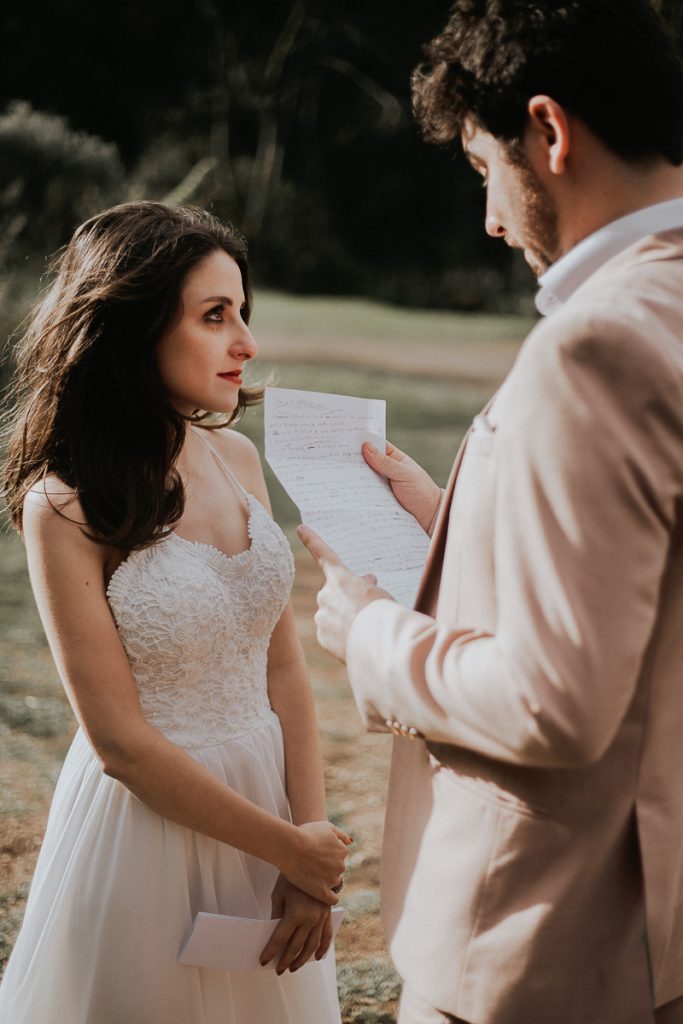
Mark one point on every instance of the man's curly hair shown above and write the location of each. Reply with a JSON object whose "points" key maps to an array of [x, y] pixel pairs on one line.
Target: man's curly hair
{"points": [[610, 63]]}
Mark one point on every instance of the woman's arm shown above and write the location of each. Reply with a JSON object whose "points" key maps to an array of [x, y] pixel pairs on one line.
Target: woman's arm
{"points": [[291, 699], [306, 927], [66, 570]]}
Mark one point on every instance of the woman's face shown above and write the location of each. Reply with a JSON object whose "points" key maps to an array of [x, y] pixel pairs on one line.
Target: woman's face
{"points": [[201, 356]]}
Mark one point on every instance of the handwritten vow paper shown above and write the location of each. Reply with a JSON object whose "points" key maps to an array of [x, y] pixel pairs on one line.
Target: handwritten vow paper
{"points": [[313, 445], [227, 943]]}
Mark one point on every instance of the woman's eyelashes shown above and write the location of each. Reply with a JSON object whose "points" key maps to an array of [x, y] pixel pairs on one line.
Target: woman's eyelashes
{"points": [[215, 314]]}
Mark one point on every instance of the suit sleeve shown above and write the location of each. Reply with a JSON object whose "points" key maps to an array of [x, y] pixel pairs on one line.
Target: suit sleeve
{"points": [[589, 454]]}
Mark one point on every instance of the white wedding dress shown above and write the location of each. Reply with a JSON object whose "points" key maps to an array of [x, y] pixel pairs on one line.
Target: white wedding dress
{"points": [[117, 886]]}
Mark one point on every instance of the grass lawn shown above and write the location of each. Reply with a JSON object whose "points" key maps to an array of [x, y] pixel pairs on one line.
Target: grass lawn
{"points": [[331, 319], [344, 346]]}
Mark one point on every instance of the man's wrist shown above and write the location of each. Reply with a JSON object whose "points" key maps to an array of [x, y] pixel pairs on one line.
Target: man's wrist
{"points": [[352, 630], [435, 516]]}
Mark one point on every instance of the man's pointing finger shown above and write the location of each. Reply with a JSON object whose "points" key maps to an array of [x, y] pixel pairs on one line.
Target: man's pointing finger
{"points": [[322, 552]]}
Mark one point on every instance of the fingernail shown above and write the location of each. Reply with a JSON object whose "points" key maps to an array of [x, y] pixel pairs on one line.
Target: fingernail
{"points": [[370, 447]]}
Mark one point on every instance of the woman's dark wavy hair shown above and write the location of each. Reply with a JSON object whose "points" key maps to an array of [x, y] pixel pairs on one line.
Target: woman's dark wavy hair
{"points": [[90, 404], [610, 63]]}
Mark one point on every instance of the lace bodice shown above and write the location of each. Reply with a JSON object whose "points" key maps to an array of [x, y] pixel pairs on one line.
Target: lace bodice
{"points": [[196, 625]]}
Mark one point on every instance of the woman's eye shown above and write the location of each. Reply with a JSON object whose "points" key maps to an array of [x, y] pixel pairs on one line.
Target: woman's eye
{"points": [[215, 314]]}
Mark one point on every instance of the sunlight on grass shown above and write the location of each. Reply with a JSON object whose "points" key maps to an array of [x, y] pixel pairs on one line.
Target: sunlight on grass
{"points": [[380, 323], [365, 984]]}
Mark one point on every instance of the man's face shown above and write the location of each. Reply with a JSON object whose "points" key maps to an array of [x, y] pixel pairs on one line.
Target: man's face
{"points": [[518, 207]]}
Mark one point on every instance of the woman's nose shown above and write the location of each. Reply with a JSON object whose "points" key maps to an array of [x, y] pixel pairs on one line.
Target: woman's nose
{"points": [[245, 346]]}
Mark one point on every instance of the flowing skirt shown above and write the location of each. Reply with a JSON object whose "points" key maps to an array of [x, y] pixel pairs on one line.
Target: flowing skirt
{"points": [[116, 889]]}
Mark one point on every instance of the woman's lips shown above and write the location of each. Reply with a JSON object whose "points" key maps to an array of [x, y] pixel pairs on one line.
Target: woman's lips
{"points": [[235, 377]]}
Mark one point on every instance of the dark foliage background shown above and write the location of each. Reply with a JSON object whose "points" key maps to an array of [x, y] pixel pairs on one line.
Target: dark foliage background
{"points": [[290, 118]]}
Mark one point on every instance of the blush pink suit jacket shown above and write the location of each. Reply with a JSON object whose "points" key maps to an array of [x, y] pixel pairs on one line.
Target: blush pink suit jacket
{"points": [[532, 870]]}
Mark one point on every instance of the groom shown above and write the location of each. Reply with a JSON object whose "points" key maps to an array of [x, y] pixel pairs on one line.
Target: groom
{"points": [[533, 856]]}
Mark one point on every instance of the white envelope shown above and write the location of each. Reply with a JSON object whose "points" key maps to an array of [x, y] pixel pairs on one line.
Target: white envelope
{"points": [[227, 943]]}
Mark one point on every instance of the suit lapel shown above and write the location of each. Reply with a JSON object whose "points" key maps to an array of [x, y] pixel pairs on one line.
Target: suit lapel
{"points": [[428, 591], [431, 576]]}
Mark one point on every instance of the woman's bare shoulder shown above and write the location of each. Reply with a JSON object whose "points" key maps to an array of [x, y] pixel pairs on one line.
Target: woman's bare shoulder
{"points": [[241, 454], [53, 512], [232, 443], [50, 497]]}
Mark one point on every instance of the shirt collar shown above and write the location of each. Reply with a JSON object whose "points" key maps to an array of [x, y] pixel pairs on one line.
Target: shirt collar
{"points": [[564, 277]]}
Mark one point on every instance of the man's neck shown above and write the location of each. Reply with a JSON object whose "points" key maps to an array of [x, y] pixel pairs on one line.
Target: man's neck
{"points": [[614, 191], [578, 264]]}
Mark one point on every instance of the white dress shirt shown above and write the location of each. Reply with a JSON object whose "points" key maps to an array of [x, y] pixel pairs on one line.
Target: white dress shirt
{"points": [[563, 278]]}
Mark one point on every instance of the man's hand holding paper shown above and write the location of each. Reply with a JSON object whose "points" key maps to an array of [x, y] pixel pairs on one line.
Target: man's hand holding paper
{"points": [[313, 444], [411, 485], [366, 513]]}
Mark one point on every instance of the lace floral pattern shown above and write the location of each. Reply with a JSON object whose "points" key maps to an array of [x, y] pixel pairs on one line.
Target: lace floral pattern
{"points": [[196, 625]]}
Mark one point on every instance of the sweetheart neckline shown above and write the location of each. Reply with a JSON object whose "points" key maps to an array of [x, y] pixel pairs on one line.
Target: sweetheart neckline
{"points": [[200, 544], [196, 545]]}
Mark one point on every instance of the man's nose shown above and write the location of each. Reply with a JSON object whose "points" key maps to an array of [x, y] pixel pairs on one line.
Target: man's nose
{"points": [[493, 226]]}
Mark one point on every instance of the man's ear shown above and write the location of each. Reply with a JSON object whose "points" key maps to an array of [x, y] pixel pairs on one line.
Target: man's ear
{"points": [[548, 132]]}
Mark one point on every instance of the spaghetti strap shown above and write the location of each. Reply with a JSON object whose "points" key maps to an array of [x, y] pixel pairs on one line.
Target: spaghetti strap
{"points": [[229, 473]]}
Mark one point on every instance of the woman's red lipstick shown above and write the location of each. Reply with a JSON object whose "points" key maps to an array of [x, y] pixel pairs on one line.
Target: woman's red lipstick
{"points": [[235, 376]]}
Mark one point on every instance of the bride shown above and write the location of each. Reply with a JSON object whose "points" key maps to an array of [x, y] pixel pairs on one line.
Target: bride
{"points": [[194, 782]]}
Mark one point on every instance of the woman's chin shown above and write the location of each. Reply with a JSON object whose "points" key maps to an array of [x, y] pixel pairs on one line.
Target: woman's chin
{"points": [[211, 407]]}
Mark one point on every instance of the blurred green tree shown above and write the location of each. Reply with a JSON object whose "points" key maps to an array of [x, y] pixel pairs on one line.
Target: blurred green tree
{"points": [[52, 179], [672, 12], [291, 119]]}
